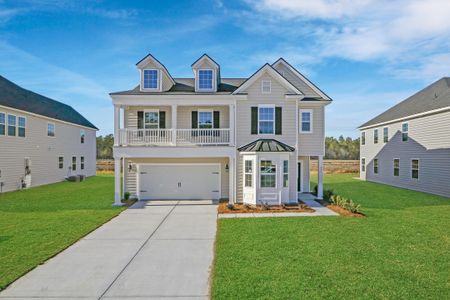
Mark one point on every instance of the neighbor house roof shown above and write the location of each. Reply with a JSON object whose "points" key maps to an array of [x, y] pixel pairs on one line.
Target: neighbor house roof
{"points": [[266, 145], [434, 96], [14, 96]]}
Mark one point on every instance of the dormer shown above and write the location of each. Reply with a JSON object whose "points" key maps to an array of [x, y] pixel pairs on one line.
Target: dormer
{"points": [[206, 74], [154, 77]]}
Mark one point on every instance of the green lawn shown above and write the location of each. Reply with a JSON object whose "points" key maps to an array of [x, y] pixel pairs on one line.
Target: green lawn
{"points": [[38, 223], [401, 250]]}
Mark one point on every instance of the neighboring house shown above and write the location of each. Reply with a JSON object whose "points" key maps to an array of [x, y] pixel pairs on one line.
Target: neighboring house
{"points": [[41, 140], [209, 137], [409, 144]]}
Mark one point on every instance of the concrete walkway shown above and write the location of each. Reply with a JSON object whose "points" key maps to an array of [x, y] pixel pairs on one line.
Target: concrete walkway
{"points": [[154, 250]]}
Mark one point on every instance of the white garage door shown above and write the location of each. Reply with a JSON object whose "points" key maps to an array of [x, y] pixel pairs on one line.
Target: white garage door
{"points": [[179, 181]]}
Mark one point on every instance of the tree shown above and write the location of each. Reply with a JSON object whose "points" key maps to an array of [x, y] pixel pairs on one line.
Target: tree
{"points": [[341, 148], [105, 146]]}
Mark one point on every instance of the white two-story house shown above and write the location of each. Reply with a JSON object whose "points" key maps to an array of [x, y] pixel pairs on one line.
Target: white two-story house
{"points": [[210, 137]]}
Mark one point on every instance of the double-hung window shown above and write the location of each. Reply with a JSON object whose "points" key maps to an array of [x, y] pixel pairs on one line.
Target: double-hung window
{"points": [[22, 122], [375, 136], [268, 174], [151, 79], [74, 163], [415, 169], [50, 129], [285, 173], [151, 119], [405, 129], [205, 119], [266, 86], [82, 136], [375, 166], [396, 167], [82, 162], [248, 173], [385, 134], [305, 120], [2, 124], [266, 120], [205, 79], [363, 138], [363, 164], [61, 162], [12, 122]]}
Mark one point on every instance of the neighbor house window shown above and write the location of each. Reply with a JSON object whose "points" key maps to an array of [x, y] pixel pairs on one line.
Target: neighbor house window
{"points": [[2, 124], [266, 120], [61, 162], [405, 128], [396, 167], [248, 173], [82, 162], [363, 138], [22, 125], [415, 168], [266, 86], [150, 79], [375, 136], [12, 122], [151, 119], [82, 136], [205, 79], [305, 120], [74, 163], [268, 174], [285, 173], [51, 129], [375, 165], [363, 164], [205, 119], [385, 134]]}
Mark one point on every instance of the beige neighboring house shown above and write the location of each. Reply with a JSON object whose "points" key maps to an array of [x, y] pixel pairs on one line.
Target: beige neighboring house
{"points": [[41, 140], [409, 144], [210, 137]]}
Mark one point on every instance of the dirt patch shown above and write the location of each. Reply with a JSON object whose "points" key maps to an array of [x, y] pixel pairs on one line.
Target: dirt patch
{"points": [[340, 210], [244, 208]]}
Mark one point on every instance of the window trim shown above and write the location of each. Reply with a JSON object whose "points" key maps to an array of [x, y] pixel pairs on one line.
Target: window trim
{"points": [[405, 132], [74, 163], [377, 136], [54, 129], [61, 163], [310, 111], [393, 167], [418, 169], [262, 86], [156, 110], [207, 111], [272, 106], [363, 165], [15, 125], [248, 173], [385, 136], [197, 81], [285, 173], [274, 174], [363, 138], [158, 79], [377, 166]]}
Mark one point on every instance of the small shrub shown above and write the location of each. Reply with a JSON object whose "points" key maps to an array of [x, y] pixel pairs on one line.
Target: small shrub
{"points": [[265, 206], [345, 203], [126, 195], [230, 206], [315, 190], [327, 194]]}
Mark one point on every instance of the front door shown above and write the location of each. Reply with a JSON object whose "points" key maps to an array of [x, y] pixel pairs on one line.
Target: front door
{"points": [[299, 178]]}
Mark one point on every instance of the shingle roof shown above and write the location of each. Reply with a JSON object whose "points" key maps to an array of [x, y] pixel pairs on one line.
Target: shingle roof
{"points": [[266, 145], [14, 96], [434, 96]]}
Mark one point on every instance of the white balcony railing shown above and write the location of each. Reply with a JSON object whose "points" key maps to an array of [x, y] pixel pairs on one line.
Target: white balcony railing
{"points": [[173, 137]]}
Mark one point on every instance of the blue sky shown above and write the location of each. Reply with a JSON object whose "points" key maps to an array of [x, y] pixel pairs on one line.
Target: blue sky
{"points": [[367, 56]]}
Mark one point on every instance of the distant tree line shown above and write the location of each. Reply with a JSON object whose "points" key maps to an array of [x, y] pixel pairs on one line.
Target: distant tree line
{"points": [[105, 146], [341, 148]]}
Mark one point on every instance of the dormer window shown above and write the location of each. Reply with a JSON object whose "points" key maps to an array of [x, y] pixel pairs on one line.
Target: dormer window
{"points": [[150, 79], [205, 79]]}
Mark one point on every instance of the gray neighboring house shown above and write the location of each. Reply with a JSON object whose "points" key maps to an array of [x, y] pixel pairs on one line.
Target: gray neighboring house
{"points": [[409, 144], [41, 140]]}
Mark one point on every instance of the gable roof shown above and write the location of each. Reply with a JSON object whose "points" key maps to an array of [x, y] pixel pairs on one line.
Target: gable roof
{"points": [[207, 57], [271, 71], [266, 145], [145, 60], [435, 96], [303, 78], [14, 96]]}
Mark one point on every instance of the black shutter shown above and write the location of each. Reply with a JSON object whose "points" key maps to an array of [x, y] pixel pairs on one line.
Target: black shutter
{"points": [[140, 120], [162, 119], [216, 118], [278, 120], [194, 119], [254, 120]]}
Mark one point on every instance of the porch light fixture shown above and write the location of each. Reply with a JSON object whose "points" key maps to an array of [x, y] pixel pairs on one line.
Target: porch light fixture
{"points": [[226, 167]]}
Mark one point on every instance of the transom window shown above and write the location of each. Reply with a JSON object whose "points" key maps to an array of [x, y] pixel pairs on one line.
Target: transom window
{"points": [[375, 136], [2, 124], [205, 119], [61, 162], [50, 129], [248, 173], [151, 120], [266, 86], [363, 164], [205, 79], [396, 167], [375, 166], [363, 138], [150, 79], [12, 122], [266, 120], [305, 119], [82, 136], [285, 173], [268, 174], [415, 169], [405, 129], [385, 134]]}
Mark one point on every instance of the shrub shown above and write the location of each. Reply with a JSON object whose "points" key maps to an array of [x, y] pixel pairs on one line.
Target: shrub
{"points": [[327, 194], [230, 206], [315, 190], [126, 196], [345, 203]]}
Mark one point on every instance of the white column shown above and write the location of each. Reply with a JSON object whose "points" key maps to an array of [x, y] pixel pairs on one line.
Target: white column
{"points": [[174, 124], [116, 124], [231, 173], [320, 178], [232, 125], [117, 173]]}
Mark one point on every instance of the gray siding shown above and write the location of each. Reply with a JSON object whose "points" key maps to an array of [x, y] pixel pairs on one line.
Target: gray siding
{"points": [[313, 144], [296, 81]]}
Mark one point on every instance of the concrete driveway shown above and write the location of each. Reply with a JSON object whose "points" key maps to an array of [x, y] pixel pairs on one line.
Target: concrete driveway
{"points": [[158, 249]]}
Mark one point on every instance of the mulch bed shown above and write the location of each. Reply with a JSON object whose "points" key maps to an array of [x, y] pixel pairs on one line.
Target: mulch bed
{"points": [[244, 208], [340, 210]]}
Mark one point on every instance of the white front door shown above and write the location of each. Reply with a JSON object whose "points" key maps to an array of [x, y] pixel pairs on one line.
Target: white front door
{"points": [[179, 181]]}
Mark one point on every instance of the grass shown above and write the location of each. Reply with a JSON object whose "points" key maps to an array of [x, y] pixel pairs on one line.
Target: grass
{"points": [[401, 250], [38, 223]]}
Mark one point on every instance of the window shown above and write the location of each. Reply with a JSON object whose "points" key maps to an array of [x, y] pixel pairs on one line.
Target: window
{"points": [[363, 164], [375, 166], [363, 138], [266, 86], [305, 120], [22, 125], [248, 173], [61, 162], [50, 129], [405, 132], [205, 79], [205, 119], [385, 134], [375, 136], [82, 136], [2, 124], [266, 120], [396, 167], [150, 79], [74, 163], [415, 169], [151, 119], [268, 174], [285, 173], [12, 125], [82, 162]]}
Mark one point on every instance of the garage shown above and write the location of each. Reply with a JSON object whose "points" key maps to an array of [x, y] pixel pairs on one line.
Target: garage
{"points": [[178, 181]]}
